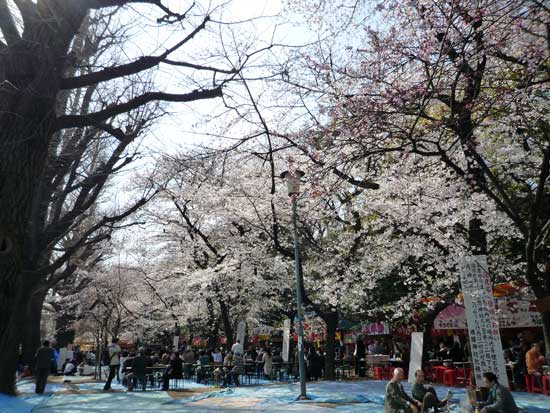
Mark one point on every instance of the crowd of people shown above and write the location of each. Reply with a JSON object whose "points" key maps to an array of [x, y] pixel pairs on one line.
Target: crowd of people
{"points": [[227, 366], [526, 358], [223, 366]]}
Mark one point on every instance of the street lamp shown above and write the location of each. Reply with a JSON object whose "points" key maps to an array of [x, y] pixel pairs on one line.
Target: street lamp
{"points": [[293, 183], [176, 340]]}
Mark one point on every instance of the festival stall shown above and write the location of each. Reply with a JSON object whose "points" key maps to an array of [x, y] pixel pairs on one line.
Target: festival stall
{"points": [[512, 309]]}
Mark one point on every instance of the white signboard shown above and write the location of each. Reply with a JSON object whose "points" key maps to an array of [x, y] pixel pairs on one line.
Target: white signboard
{"points": [[514, 312], [415, 361], [61, 358], [286, 340], [176, 343], [241, 332], [487, 354]]}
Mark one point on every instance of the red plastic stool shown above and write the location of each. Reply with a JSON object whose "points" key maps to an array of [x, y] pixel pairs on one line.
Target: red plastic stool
{"points": [[379, 373], [546, 385], [469, 376], [449, 377], [428, 373], [532, 385], [439, 371]]}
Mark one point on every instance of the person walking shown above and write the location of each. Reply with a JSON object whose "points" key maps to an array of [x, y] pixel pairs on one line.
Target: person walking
{"points": [[359, 357], [45, 358], [114, 362], [267, 362]]}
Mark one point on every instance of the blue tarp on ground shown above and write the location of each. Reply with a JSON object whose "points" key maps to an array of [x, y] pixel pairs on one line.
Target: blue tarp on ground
{"points": [[337, 397]]}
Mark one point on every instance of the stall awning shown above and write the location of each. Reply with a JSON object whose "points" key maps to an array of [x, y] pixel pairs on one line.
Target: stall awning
{"points": [[512, 312]]}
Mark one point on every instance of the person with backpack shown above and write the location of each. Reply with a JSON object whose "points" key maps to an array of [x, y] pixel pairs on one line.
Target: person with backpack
{"points": [[113, 352]]}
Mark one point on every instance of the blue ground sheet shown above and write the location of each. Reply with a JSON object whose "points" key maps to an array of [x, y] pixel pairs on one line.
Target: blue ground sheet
{"points": [[325, 397]]}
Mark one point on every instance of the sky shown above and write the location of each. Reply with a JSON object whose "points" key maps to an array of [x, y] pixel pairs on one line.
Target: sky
{"points": [[254, 22], [186, 124], [184, 127]]}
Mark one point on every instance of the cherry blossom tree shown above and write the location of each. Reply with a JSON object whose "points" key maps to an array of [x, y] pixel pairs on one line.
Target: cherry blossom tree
{"points": [[52, 106], [462, 83]]}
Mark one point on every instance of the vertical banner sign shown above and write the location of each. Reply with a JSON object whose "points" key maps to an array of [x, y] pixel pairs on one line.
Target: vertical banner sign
{"points": [[176, 343], [415, 361], [61, 358], [286, 339], [487, 354], [241, 332]]}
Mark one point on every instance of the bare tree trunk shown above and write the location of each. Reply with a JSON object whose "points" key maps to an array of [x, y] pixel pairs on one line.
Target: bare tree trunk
{"points": [[26, 123], [31, 329], [226, 321], [10, 308], [546, 330], [331, 320]]}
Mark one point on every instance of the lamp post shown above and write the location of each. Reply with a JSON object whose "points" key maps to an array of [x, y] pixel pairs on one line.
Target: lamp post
{"points": [[176, 339], [293, 183]]}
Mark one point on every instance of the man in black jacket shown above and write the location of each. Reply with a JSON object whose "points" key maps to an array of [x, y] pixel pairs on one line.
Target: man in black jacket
{"points": [[358, 355], [44, 359], [139, 366], [174, 371]]}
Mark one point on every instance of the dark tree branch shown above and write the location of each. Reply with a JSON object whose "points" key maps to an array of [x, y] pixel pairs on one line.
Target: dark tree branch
{"points": [[85, 238], [183, 210], [170, 17], [137, 66], [92, 119], [199, 67]]}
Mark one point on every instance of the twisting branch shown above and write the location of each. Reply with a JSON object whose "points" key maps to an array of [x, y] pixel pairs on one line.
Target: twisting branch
{"points": [[137, 66], [92, 119]]}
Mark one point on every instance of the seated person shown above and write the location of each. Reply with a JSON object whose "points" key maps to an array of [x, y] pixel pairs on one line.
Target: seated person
{"points": [[138, 366], [500, 399], [396, 400], [174, 371], [218, 374], [69, 369], [228, 360], [426, 394], [238, 369], [202, 370], [534, 360]]}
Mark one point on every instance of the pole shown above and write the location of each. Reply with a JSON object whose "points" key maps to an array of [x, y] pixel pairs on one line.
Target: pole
{"points": [[301, 361]]}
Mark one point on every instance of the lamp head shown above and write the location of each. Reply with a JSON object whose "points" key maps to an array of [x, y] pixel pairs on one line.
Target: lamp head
{"points": [[292, 179]]}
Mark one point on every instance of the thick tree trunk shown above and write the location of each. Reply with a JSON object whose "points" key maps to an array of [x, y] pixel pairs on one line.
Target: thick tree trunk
{"points": [[10, 309], [546, 330], [226, 321], [331, 320], [31, 329], [30, 71], [25, 125]]}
